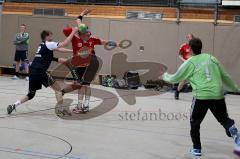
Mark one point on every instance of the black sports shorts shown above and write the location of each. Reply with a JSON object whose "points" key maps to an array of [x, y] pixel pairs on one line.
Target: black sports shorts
{"points": [[37, 80], [20, 56]]}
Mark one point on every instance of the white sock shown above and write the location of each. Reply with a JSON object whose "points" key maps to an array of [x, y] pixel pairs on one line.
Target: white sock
{"points": [[80, 99], [17, 103], [87, 99], [61, 107], [80, 103]]}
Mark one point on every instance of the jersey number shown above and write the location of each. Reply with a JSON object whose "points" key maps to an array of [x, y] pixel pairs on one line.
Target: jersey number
{"points": [[39, 48], [207, 74]]}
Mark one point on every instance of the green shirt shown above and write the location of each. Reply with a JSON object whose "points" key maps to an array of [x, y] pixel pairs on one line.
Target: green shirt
{"points": [[206, 76], [22, 41]]}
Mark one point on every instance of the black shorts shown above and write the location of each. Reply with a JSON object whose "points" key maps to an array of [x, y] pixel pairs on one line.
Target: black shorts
{"points": [[87, 74], [81, 72], [37, 80], [20, 56]]}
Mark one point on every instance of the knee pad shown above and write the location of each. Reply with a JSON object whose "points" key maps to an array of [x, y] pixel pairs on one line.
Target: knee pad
{"points": [[31, 95]]}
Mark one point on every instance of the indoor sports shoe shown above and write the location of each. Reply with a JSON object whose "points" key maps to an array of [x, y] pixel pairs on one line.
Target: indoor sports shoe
{"points": [[85, 109], [77, 110], [237, 150], [15, 78], [236, 136], [63, 112], [233, 132], [196, 152], [11, 108]]}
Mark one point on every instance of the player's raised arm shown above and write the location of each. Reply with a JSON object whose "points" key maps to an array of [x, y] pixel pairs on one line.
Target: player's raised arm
{"points": [[103, 42], [68, 29], [183, 73], [83, 13], [64, 50], [68, 39]]}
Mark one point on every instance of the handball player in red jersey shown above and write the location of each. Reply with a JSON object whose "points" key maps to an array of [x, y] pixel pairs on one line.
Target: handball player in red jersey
{"points": [[184, 54], [83, 44]]}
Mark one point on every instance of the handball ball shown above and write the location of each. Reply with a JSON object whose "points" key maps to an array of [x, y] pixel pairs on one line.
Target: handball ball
{"points": [[82, 28], [67, 31]]}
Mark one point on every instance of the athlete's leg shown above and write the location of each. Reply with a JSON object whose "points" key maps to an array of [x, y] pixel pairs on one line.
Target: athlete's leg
{"points": [[26, 67], [24, 60], [219, 110], [77, 74], [16, 76], [87, 95], [71, 88], [199, 110], [81, 96], [17, 60], [57, 89], [17, 67], [34, 85], [61, 108], [78, 108], [29, 96]]}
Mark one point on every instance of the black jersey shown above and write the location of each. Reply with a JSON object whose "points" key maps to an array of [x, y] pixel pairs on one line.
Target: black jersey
{"points": [[43, 57]]}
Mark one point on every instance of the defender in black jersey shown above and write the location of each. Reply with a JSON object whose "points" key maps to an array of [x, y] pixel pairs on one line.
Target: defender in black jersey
{"points": [[38, 75]]}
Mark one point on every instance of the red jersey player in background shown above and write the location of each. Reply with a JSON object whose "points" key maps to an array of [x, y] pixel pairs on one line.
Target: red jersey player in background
{"points": [[184, 54], [83, 44]]}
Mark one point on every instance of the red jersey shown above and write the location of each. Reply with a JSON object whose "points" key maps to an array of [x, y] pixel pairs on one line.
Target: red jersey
{"points": [[184, 51], [83, 48]]}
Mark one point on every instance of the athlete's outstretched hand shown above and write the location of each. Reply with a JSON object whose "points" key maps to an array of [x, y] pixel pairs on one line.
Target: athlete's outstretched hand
{"points": [[75, 29], [86, 12]]}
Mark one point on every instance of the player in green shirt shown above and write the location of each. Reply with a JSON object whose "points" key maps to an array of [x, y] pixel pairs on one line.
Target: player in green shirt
{"points": [[207, 78]]}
